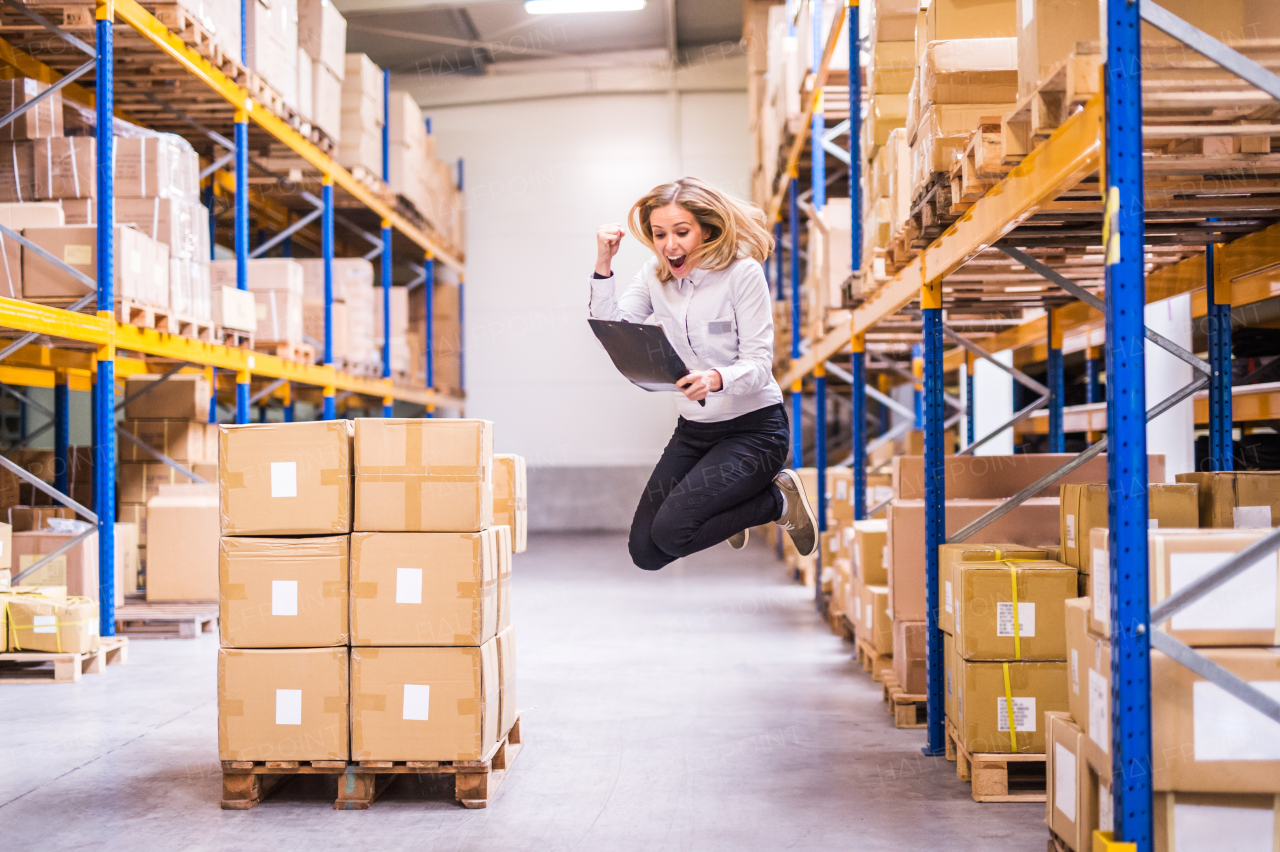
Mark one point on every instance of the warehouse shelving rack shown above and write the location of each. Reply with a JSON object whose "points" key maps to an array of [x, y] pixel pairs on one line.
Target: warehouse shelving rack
{"points": [[87, 351], [1105, 137]]}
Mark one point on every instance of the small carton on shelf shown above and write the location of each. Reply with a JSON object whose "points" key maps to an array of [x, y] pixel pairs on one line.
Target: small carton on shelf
{"points": [[424, 588], [1240, 500], [423, 475], [234, 309], [17, 217], [1206, 820], [182, 545], [508, 709], [283, 704], [42, 120], [1089, 679], [868, 550], [877, 626], [1063, 794], [285, 478], [1012, 610], [511, 497], [951, 555], [424, 703], [283, 592], [139, 273], [965, 19], [1085, 507], [994, 720], [322, 33], [41, 623], [180, 397], [138, 482], [181, 440], [77, 568], [910, 639]]}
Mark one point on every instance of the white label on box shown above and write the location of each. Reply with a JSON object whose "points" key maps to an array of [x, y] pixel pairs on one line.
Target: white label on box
{"points": [[948, 683], [1252, 517], [947, 586], [884, 555], [868, 619], [847, 534], [1070, 540], [284, 479], [288, 706], [842, 490], [1245, 602], [1075, 671], [1225, 728], [417, 702], [834, 541], [1105, 820], [77, 255], [1064, 781], [1028, 15], [1026, 619], [1024, 715], [857, 561], [1100, 710], [1101, 586], [409, 585], [284, 597], [44, 624], [1200, 828], [135, 261]]}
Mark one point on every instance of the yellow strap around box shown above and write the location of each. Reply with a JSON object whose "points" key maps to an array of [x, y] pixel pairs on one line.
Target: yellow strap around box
{"points": [[1017, 636], [1008, 706]]}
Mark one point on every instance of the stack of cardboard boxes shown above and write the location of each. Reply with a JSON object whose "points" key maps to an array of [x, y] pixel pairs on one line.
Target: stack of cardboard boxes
{"points": [[322, 50], [372, 547], [354, 310], [446, 333], [360, 139], [45, 618], [399, 329]]}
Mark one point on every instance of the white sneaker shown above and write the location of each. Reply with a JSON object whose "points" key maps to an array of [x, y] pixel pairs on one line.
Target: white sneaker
{"points": [[739, 540]]}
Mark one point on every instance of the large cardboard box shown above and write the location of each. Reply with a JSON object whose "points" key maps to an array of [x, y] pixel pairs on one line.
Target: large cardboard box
{"points": [[64, 167], [138, 482], [181, 440], [1033, 523], [424, 588], [877, 626], [511, 497], [283, 704], [77, 568], [1063, 794], [18, 217], [271, 36], [949, 19], [286, 478], [262, 274], [415, 475], [950, 683], [182, 546], [502, 538], [322, 33], [910, 641], [969, 71], [868, 551], [425, 703], [40, 623], [283, 592], [172, 221], [1085, 507], [1048, 32], [159, 166], [508, 709], [126, 550], [28, 518], [1100, 583], [42, 120], [1204, 739], [1209, 822], [233, 308], [1242, 611], [137, 274], [326, 96], [1089, 679], [989, 477], [950, 555], [181, 397], [1240, 500], [985, 708], [994, 623]]}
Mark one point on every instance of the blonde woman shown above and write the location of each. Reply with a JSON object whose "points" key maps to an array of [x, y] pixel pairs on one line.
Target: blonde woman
{"points": [[722, 472]]}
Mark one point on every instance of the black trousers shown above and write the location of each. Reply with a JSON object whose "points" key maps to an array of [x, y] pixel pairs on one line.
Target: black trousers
{"points": [[713, 480]]}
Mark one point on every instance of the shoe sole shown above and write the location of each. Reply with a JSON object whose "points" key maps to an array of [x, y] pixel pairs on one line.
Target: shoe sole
{"points": [[746, 537], [804, 501]]}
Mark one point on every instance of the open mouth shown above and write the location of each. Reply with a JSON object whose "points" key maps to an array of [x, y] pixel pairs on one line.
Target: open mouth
{"points": [[676, 262]]}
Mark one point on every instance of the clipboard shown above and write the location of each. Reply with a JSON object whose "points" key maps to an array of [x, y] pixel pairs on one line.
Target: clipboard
{"points": [[642, 354]]}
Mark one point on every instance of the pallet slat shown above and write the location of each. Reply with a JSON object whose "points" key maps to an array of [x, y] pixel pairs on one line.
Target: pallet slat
{"points": [[52, 667], [996, 777]]}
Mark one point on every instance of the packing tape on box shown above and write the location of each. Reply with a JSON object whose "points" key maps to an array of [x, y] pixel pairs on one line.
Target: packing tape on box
{"points": [[232, 707], [329, 476], [369, 701], [468, 589], [333, 589], [234, 592], [335, 704], [1008, 706], [468, 707], [364, 591], [414, 473], [463, 639], [1017, 637]]}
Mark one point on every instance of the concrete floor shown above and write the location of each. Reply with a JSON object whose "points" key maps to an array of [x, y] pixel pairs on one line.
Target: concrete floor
{"points": [[700, 708]]}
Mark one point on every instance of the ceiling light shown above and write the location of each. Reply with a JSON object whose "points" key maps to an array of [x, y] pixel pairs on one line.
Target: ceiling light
{"points": [[567, 7]]}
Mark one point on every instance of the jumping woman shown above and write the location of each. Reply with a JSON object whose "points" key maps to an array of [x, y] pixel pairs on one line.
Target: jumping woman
{"points": [[721, 473]]}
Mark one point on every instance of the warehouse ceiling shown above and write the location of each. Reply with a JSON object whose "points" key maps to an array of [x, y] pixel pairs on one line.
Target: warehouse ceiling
{"points": [[433, 37]]}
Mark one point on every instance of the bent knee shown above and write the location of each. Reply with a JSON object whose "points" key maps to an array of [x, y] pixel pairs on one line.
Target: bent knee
{"points": [[645, 555], [672, 535]]}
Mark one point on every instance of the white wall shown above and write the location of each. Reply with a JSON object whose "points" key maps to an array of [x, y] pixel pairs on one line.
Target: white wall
{"points": [[1172, 433], [994, 387], [541, 175]]}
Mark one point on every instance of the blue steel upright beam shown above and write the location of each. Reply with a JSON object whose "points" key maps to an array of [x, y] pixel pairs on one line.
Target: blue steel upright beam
{"points": [[61, 429], [104, 396], [386, 309], [858, 369], [1056, 383], [1123, 234], [970, 414], [212, 374], [935, 531], [1093, 375], [241, 223], [855, 137], [797, 414], [288, 402], [1221, 441], [917, 370], [326, 252], [429, 324]]}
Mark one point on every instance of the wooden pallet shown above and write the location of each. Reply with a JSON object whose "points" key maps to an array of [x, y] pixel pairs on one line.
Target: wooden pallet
{"points": [[907, 710], [1057, 844], [179, 620], [46, 667], [848, 630], [1057, 97], [301, 352], [996, 777], [245, 783], [358, 368], [163, 319], [877, 664], [233, 338]]}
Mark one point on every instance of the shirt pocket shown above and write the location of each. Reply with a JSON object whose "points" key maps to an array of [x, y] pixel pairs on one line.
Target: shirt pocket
{"points": [[720, 340]]}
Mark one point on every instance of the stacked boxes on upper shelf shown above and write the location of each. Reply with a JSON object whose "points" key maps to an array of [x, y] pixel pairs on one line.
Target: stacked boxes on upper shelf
{"points": [[322, 48], [360, 142], [446, 332], [399, 329], [372, 546], [354, 310], [277, 288]]}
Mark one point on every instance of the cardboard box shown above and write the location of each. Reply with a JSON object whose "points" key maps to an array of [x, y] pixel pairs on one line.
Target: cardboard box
{"points": [[416, 475], [511, 497], [136, 515], [508, 709], [1206, 740], [984, 708], [42, 120], [322, 33], [77, 246], [126, 541], [910, 641], [40, 623], [184, 396], [991, 624], [1096, 804], [172, 221], [1085, 507], [283, 704], [869, 549], [28, 518], [262, 274], [65, 167], [1033, 522], [949, 19], [949, 555], [159, 166], [283, 592], [279, 316], [502, 538], [1206, 822], [286, 478], [182, 547], [1063, 794], [235, 309], [876, 627], [1048, 32], [950, 674], [18, 217], [425, 703], [1243, 611], [138, 482], [424, 588], [326, 95], [990, 477], [1100, 583], [1239, 500], [77, 568], [969, 71], [271, 37], [1089, 681], [181, 440]]}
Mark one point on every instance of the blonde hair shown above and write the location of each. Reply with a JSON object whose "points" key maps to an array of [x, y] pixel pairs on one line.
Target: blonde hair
{"points": [[731, 228]]}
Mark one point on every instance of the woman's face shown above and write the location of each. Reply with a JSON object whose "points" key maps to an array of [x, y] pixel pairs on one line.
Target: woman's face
{"points": [[676, 233]]}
